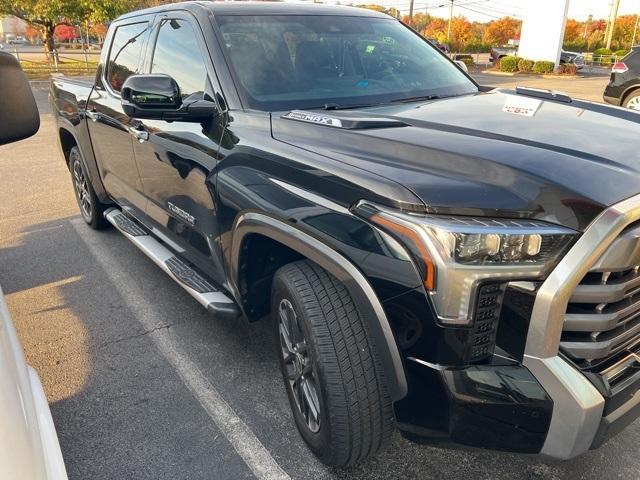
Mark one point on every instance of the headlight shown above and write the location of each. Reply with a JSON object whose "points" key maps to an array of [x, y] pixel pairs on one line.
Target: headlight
{"points": [[458, 254]]}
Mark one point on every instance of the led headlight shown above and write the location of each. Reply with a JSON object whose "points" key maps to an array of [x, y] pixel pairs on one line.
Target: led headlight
{"points": [[457, 254]]}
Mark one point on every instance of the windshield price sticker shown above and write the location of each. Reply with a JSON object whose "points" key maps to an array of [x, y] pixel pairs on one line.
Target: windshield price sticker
{"points": [[527, 107]]}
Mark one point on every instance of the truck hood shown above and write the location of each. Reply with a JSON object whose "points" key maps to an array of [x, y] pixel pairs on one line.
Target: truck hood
{"points": [[493, 154]]}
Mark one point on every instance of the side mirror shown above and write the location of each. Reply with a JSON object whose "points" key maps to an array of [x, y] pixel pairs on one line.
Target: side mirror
{"points": [[157, 97], [19, 117], [462, 66]]}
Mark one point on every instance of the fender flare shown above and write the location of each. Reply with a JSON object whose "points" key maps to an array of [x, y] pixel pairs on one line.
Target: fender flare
{"points": [[90, 165], [361, 291], [627, 92]]}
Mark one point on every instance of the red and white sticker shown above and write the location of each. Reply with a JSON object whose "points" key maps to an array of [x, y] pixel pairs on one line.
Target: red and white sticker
{"points": [[526, 107]]}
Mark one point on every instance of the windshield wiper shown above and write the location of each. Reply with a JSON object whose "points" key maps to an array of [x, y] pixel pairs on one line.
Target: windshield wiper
{"points": [[419, 98], [337, 106]]}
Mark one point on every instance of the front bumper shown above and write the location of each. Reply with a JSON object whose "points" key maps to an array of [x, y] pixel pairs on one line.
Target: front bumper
{"points": [[499, 406], [541, 402]]}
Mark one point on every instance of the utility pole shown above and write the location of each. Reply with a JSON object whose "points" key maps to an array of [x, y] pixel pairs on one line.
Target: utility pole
{"points": [[635, 30], [612, 22], [587, 24], [451, 18], [411, 12]]}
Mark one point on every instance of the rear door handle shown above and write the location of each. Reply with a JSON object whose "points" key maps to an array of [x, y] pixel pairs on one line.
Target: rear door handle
{"points": [[93, 115], [140, 135]]}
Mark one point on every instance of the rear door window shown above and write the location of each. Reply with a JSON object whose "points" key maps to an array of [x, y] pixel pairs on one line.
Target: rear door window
{"points": [[126, 52], [633, 60]]}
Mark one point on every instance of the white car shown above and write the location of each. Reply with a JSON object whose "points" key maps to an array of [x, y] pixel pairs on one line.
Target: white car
{"points": [[29, 448]]}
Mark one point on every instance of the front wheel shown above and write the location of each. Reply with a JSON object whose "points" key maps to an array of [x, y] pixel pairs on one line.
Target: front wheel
{"points": [[91, 209], [332, 374], [633, 101]]}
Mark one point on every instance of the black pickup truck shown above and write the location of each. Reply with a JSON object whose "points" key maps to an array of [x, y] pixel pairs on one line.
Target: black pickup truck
{"points": [[458, 262]]}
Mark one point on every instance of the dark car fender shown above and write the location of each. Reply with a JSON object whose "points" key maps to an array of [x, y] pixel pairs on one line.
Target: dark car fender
{"points": [[378, 327], [69, 137]]}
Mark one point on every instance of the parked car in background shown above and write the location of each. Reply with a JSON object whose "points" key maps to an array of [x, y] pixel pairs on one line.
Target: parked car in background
{"points": [[18, 41], [566, 57], [29, 448], [442, 46], [624, 85]]}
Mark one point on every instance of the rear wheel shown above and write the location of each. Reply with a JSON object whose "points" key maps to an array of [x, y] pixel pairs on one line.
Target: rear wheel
{"points": [[91, 209], [332, 374], [633, 100]]}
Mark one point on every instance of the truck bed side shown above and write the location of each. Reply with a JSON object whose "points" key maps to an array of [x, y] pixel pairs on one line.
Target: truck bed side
{"points": [[68, 97]]}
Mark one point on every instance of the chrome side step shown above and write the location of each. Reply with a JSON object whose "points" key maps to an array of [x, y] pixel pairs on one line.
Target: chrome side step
{"points": [[195, 284]]}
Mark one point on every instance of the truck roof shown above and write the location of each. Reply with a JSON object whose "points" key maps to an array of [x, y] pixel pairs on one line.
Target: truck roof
{"points": [[262, 8]]}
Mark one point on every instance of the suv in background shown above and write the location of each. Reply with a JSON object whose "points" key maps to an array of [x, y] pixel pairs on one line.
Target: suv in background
{"points": [[566, 58], [624, 86]]}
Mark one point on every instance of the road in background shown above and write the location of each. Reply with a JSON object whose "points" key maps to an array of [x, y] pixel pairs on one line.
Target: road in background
{"points": [[587, 87], [111, 336]]}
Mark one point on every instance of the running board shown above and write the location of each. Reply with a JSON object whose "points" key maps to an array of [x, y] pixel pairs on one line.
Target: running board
{"points": [[195, 284]]}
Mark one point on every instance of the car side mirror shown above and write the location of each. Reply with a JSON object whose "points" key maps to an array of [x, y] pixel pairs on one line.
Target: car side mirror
{"points": [[19, 117], [158, 97], [462, 66]]}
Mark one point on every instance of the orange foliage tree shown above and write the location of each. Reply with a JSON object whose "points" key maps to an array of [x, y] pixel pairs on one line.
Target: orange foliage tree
{"points": [[499, 32]]}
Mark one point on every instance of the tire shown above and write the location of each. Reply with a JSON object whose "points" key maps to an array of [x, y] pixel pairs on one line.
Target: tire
{"points": [[91, 209], [633, 100], [355, 413]]}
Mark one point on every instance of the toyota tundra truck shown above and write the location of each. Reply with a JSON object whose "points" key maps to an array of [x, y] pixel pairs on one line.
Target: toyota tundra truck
{"points": [[458, 262]]}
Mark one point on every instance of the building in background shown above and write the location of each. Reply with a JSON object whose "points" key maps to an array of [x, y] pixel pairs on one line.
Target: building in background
{"points": [[12, 27], [543, 30]]}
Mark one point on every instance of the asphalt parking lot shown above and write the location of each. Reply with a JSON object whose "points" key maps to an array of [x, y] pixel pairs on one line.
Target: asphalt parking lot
{"points": [[144, 384]]}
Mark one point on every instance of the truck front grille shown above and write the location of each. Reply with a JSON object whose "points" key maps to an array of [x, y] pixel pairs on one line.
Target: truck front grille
{"points": [[603, 316]]}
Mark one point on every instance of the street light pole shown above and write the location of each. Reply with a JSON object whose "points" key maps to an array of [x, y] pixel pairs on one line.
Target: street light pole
{"points": [[450, 18], [612, 22]]}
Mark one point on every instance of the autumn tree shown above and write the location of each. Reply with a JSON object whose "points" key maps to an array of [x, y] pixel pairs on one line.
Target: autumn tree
{"points": [[623, 32], [99, 30], [436, 28], [461, 33], [46, 15], [499, 32], [573, 30]]}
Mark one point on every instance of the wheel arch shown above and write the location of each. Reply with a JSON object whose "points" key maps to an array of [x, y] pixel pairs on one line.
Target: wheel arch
{"points": [[251, 225], [69, 138], [627, 92], [67, 142]]}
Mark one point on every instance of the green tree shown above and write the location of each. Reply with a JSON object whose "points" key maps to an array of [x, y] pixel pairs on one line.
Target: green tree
{"points": [[46, 15]]}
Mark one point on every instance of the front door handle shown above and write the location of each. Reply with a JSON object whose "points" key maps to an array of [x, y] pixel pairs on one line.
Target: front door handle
{"points": [[140, 135], [93, 115]]}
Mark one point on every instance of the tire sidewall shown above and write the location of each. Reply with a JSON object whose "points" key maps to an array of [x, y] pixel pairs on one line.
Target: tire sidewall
{"points": [[74, 157], [319, 442], [629, 98]]}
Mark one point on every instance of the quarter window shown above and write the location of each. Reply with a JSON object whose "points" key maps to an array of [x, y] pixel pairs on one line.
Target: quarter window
{"points": [[126, 50], [178, 55]]}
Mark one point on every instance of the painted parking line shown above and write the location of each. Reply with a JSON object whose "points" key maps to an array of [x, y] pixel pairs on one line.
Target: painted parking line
{"points": [[243, 440]]}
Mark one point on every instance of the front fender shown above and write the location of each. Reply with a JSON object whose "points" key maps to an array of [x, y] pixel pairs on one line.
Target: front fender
{"points": [[377, 324]]}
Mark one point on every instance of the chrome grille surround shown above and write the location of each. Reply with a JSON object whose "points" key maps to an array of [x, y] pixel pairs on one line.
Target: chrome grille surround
{"points": [[603, 314], [578, 406]]}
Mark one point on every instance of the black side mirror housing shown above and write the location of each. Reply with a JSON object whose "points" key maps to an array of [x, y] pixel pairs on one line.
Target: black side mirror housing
{"points": [[19, 117], [157, 97]]}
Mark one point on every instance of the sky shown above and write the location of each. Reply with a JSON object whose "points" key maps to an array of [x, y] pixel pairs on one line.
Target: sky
{"points": [[486, 10]]}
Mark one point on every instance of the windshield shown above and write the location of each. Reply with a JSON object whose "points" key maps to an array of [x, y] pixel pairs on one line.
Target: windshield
{"points": [[285, 62]]}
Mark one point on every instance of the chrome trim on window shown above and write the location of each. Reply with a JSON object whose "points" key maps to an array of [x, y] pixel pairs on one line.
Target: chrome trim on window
{"points": [[578, 406]]}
